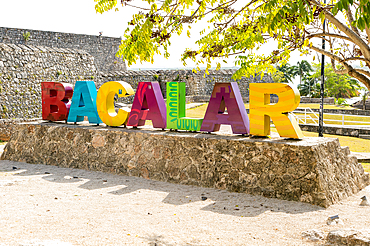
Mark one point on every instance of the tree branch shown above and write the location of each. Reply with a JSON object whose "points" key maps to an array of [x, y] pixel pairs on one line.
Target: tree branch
{"points": [[351, 71], [351, 34], [350, 19], [328, 54], [365, 80], [363, 71], [342, 71], [316, 35], [367, 29], [356, 59]]}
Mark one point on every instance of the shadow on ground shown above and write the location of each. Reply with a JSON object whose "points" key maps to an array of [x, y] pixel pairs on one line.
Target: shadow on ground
{"points": [[223, 202]]}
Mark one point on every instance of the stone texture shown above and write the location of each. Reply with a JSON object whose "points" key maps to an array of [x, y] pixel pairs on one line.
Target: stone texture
{"points": [[350, 131], [198, 87], [8, 126], [103, 49], [343, 111], [328, 100], [24, 67], [313, 170], [349, 237], [24, 70]]}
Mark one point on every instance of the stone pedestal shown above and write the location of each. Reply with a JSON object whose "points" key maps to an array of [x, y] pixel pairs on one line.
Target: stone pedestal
{"points": [[312, 170]]}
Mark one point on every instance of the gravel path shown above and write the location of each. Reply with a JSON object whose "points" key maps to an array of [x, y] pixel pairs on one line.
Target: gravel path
{"points": [[46, 205]]}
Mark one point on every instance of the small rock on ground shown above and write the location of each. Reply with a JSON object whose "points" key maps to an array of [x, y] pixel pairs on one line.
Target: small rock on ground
{"points": [[349, 237], [313, 235]]}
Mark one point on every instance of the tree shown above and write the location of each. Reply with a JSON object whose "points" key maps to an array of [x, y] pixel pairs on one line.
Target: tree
{"points": [[302, 69], [240, 27], [337, 85], [309, 87], [285, 74]]}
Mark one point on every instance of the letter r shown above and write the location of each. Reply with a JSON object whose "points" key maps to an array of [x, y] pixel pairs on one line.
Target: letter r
{"points": [[261, 110]]}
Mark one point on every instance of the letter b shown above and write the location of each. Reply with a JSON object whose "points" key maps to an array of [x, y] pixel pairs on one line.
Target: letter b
{"points": [[56, 100]]}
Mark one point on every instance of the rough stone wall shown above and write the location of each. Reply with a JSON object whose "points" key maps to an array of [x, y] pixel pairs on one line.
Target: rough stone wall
{"points": [[344, 111], [9, 126], [328, 100], [313, 170], [103, 49], [23, 68], [339, 130], [198, 87]]}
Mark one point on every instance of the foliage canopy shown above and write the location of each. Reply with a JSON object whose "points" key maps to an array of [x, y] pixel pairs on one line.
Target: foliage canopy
{"points": [[240, 27], [336, 85]]}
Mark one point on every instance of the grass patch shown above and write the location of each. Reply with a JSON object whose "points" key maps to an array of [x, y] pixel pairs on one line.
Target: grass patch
{"points": [[2, 142], [197, 112], [366, 167]]}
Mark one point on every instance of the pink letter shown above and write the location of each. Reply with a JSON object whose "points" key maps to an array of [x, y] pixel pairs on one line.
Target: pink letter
{"points": [[148, 105]]}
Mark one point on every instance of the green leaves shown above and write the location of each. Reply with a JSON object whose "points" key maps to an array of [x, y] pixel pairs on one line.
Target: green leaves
{"points": [[104, 5], [336, 85], [362, 15], [241, 29]]}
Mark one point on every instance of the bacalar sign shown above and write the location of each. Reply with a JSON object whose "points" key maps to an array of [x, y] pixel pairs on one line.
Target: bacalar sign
{"points": [[61, 102]]}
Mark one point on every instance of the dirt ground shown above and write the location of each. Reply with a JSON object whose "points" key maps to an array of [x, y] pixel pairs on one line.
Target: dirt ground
{"points": [[46, 205]]}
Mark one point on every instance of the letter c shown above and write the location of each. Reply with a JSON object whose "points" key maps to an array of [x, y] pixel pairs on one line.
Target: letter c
{"points": [[105, 102]]}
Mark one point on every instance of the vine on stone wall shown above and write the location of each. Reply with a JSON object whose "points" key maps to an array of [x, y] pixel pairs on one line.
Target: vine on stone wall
{"points": [[26, 36]]}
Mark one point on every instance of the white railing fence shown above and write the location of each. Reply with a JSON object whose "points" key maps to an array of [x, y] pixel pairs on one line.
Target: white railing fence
{"points": [[307, 116]]}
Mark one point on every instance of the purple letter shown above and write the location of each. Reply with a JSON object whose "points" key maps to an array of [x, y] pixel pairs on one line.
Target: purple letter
{"points": [[226, 95]]}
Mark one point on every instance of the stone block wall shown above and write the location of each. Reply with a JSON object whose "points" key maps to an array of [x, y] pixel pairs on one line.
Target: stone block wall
{"points": [[338, 130], [198, 86], [329, 100], [344, 111], [23, 68], [9, 126], [314, 170], [103, 49]]}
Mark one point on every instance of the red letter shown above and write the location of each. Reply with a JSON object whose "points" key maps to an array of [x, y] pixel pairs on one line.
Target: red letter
{"points": [[55, 100]]}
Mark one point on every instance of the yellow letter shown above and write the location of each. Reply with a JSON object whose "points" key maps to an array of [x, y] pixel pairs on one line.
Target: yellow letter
{"points": [[105, 102], [261, 110]]}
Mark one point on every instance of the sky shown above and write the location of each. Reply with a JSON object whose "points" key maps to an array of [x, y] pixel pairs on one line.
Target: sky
{"points": [[79, 16]]}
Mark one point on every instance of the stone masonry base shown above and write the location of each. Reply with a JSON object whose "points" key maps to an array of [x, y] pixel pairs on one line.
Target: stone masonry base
{"points": [[312, 170]]}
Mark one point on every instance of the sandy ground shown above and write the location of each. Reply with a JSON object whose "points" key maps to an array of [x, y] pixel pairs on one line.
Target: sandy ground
{"points": [[47, 205]]}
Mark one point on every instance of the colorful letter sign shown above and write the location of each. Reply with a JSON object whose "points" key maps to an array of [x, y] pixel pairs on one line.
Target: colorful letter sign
{"points": [[226, 95], [148, 105], [261, 110], [84, 103], [55, 100], [176, 109], [105, 102], [225, 106]]}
